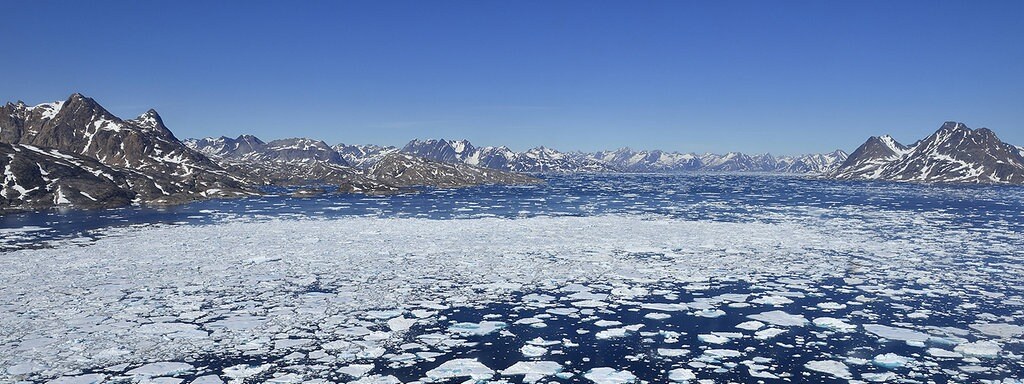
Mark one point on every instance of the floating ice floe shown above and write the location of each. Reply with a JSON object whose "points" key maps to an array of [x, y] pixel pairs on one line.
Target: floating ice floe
{"points": [[987, 349], [533, 351], [910, 336], [460, 368], [891, 360], [91, 378], [830, 367], [533, 371], [168, 368], [1005, 331], [834, 324], [613, 333], [476, 329], [606, 375], [681, 375], [780, 318]]}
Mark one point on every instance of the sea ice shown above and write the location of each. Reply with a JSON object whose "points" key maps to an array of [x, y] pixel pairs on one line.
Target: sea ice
{"points": [[780, 318], [834, 324], [476, 329], [605, 375], [461, 368], [533, 371], [896, 333], [830, 367], [681, 375], [988, 349]]}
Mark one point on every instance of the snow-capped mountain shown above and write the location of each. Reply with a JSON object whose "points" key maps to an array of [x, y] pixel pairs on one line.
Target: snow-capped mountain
{"points": [[953, 154], [871, 158], [287, 162], [157, 167], [540, 159], [249, 147], [818, 163], [300, 161], [363, 156], [629, 160], [406, 170]]}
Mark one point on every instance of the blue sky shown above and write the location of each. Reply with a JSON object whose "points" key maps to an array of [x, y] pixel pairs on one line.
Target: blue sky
{"points": [[762, 76]]}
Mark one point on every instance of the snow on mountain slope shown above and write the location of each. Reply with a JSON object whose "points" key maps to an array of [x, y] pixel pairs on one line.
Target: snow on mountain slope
{"points": [[168, 171], [953, 154], [286, 162], [35, 178], [363, 156], [405, 170], [538, 159]]}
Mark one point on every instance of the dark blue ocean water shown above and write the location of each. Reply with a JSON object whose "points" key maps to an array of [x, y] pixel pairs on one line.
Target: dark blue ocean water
{"points": [[722, 197]]}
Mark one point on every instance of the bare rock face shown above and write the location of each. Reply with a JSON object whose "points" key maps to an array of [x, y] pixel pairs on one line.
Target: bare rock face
{"points": [[953, 154], [36, 178], [405, 170], [158, 168]]}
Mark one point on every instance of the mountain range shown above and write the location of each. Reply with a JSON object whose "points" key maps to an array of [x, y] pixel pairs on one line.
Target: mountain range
{"points": [[76, 153]]}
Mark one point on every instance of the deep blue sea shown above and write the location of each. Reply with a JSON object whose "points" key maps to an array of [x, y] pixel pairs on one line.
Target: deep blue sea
{"points": [[721, 197]]}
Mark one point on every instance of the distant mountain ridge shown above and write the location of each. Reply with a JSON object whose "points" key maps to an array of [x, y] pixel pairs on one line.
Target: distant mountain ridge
{"points": [[953, 154], [301, 161], [542, 159]]}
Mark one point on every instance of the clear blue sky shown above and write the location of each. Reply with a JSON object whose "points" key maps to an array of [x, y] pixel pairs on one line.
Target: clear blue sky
{"points": [[759, 76]]}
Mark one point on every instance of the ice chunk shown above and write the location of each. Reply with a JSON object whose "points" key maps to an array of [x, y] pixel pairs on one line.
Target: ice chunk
{"points": [[657, 316], [92, 378], [461, 368], [752, 325], [768, 333], [533, 371], [166, 368], [356, 370], [671, 352], [1005, 331], [834, 324], [896, 333], [829, 367], [208, 379], [613, 333], [891, 360], [879, 377], [772, 300], [989, 349], [533, 351], [605, 375], [476, 329], [780, 318], [681, 375], [943, 353], [401, 323], [664, 307]]}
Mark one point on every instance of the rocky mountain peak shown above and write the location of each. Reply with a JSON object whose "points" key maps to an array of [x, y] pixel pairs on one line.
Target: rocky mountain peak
{"points": [[953, 153]]}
